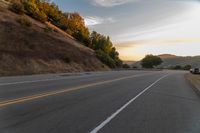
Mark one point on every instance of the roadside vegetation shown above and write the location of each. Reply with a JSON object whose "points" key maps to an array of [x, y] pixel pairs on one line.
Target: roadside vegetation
{"points": [[72, 23], [179, 67]]}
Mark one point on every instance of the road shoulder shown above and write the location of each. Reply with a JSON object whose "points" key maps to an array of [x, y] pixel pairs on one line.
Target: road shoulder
{"points": [[194, 81]]}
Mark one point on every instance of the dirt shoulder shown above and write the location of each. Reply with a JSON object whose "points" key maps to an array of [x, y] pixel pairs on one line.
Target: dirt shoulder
{"points": [[194, 80]]}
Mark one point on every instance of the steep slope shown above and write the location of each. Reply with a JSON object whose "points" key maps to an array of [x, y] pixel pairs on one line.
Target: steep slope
{"points": [[40, 48]]}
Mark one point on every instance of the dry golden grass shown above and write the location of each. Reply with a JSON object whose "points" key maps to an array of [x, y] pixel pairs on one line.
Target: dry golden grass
{"points": [[194, 79], [31, 50]]}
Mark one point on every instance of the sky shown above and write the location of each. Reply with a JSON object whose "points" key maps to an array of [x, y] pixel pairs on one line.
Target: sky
{"points": [[140, 27]]}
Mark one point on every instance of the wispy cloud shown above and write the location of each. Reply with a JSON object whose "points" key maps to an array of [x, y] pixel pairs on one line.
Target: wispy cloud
{"points": [[159, 42], [111, 3], [94, 20]]}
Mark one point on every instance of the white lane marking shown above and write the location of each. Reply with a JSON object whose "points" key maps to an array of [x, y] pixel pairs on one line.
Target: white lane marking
{"points": [[99, 127]]}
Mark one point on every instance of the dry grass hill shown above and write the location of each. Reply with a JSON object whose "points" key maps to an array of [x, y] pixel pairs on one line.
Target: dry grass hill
{"points": [[173, 60], [30, 47]]}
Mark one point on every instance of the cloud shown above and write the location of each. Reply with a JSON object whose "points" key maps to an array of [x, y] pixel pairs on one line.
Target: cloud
{"points": [[158, 42], [94, 20], [111, 3]]}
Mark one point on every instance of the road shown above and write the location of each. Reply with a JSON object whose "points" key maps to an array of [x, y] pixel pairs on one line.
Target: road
{"points": [[103, 102]]}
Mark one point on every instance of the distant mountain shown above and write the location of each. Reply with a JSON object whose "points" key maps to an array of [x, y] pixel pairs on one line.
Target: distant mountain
{"points": [[166, 56], [130, 63], [173, 60], [194, 61]]}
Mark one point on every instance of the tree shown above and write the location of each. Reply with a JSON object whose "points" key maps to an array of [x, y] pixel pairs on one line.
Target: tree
{"points": [[74, 25], [187, 67], [105, 58], [126, 66], [17, 7], [103, 43], [177, 67], [32, 9], [150, 61]]}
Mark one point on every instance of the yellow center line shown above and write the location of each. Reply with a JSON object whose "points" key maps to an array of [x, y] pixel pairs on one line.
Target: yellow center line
{"points": [[42, 95]]}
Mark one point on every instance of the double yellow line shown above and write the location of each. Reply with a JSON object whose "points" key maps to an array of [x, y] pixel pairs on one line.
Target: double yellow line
{"points": [[52, 93]]}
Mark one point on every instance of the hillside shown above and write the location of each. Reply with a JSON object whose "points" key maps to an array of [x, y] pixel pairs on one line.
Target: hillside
{"points": [[130, 63], [182, 61], [167, 56], [173, 60], [40, 48]]}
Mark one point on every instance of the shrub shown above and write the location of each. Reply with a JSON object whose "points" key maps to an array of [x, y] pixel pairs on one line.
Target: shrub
{"points": [[135, 67], [125, 66], [17, 7], [187, 67], [41, 16], [32, 9], [48, 29], [177, 67], [105, 58], [66, 59], [24, 21]]}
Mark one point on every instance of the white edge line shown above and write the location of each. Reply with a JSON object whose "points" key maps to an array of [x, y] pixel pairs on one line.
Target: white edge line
{"points": [[99, 127]]}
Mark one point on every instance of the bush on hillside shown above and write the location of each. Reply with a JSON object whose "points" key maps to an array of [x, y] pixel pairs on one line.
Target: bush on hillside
{"points": [[66, 59], [24, 21], [73, 24], [32, 9], [105, 58], [17, 7], [48, 29]]}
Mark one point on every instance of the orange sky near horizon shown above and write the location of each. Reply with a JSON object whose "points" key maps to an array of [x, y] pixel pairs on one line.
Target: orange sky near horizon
{"points": [[134, 51]]}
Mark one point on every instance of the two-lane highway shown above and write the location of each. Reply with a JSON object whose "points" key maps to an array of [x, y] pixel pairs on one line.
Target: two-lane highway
{"points": [[105, 102]]}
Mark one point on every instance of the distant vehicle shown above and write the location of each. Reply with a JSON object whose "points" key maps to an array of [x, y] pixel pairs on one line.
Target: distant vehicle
{"points": [[195, 70]]}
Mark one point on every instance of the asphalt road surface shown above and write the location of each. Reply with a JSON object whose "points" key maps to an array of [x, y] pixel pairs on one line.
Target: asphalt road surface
{"points": [[103, 102]]}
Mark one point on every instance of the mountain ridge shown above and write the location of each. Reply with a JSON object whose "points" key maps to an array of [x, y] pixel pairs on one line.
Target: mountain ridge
{"points": [[170, 60]]}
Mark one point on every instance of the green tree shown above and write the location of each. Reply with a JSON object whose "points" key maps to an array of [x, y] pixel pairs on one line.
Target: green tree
{"points": [[126, 66], [104, 44], [177, 67], [187, 67], [105, 58], [149, 61], [73, 24]]}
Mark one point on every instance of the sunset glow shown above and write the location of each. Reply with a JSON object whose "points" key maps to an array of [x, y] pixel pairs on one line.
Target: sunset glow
{"points": [[140, 27]]}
